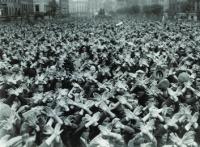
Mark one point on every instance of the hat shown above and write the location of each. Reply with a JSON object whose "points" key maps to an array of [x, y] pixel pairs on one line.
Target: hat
{"points": [[163, 84], [183, 77]]}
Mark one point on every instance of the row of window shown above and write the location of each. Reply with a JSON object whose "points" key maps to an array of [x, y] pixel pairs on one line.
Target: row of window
{"points": [[8, 1], [195, 6], [14, 11], [13, 1]]}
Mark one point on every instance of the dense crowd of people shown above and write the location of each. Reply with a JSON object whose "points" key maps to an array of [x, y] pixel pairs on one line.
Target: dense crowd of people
{"points": [[100, 83]]}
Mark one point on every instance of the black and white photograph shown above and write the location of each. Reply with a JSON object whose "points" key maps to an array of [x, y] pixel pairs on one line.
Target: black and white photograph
{"points": [[99, 73]]}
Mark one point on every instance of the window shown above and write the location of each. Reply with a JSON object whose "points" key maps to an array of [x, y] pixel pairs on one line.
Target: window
{"points": [[37, 8]]}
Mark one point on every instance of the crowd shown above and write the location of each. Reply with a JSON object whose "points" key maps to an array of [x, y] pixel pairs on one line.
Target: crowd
{"points": [[100, 83]]}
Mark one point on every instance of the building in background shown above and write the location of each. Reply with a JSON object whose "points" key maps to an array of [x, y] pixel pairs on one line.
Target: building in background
{"points": [[163, 3], [110, 5], [26, 7], [16, 7], [3, 9], [122, 4], [79, 7], [95, 6], [175, 5], [91, 7], [41, 6], [10, 8], [61, 7], [185, 8], [143, 3], [84, 7], [185, 5], [64, 7]]}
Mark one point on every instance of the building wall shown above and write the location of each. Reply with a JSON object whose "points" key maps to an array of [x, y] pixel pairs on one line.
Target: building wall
{"points": [[164, 3], [142, 3], [121, 4], [195, 5], [26, 6], [89, 7], [11, 7], [79, 6], [17, 7], [40, 6], [175, 5], [64, 7], [95, 5], [110, 5]]}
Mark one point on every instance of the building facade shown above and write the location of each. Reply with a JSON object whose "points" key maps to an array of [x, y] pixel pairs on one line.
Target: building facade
{"points": [[110, 5], [142, 3], [40, 6], [26, 7], [43, 6], [175, 5], [64, 7], [191, 6], [78, 7], [16, 7], [91, 7], [10, 8], [164, 3], [13, 8], [122, 4]]}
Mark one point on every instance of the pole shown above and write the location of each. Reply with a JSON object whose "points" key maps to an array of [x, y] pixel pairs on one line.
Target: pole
{"points": [[76, 9]]}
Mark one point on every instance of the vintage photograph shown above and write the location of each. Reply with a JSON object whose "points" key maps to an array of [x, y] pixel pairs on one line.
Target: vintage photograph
{"points": [[99, 73]]}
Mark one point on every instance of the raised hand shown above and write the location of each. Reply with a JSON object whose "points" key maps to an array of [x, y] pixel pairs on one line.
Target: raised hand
{"points": [[54, 134], [92, 120], [192, 121], [185, 141], [154, 113], [133, 115]]}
